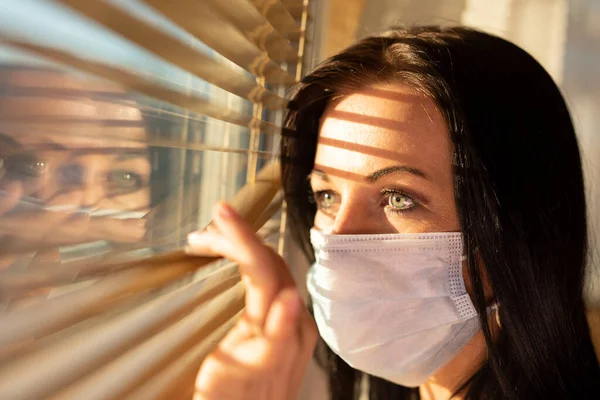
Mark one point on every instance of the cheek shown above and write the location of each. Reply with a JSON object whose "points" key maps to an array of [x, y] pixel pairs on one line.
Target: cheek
{"points": [[322, 221]]}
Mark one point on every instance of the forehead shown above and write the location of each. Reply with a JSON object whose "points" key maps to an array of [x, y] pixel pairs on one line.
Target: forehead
{"points": [[40, 106], [383, 126]]}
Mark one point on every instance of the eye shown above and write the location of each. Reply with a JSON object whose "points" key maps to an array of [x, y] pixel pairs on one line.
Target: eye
{"points": [[325, 199], [122, 181], [398, 201], [24, 166]]}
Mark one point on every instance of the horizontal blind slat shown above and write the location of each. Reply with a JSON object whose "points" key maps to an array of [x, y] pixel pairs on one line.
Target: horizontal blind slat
{"points": [[139, 322], [139, 365], [218, 33], [179, 377], [277, 14], [94, 95], [60, 312], [196, 103], [82, 354], [89, 132], [175, 51], [256, 28]]}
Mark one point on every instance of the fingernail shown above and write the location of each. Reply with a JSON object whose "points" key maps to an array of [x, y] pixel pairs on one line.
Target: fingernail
{"points": [[225, 210], [195, 237]]}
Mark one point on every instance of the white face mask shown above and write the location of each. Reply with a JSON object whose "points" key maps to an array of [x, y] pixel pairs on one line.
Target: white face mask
{"points": [[394, 306]]}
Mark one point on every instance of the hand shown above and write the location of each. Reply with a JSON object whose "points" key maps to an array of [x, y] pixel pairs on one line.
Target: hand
{"points": [[265, 354]]}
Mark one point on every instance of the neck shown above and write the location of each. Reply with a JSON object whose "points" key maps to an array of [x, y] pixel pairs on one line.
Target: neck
{"points": [[448, 380]]}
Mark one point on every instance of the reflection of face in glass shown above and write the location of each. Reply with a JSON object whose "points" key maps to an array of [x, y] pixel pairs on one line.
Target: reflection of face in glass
{"points": [[71, 145], [80, 178]]}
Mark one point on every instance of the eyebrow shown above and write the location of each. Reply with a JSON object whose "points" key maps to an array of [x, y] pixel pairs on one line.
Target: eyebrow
{"points": [[373, 177], [46, 144], [123, 153], [132, 156], [394, 169]]}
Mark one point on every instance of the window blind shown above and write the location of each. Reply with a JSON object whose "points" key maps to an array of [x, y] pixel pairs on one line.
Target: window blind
{"points": [[121, 124]]}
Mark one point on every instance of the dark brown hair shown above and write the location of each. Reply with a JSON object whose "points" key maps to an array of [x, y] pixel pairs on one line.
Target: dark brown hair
{"points": [[519, 192]]}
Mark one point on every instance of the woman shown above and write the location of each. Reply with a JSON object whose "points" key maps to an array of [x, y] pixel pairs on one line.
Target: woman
{"points": [[449, 218]]}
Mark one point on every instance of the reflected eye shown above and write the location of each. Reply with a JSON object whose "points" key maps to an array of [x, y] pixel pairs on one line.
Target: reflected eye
{"points": [[325, 199], [398, 201], [8, 146], [122, 181], [26, 166]]}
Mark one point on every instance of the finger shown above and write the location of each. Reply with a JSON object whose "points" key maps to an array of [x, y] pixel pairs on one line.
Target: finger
{"points": [[263, 271], [209, 244], [283, 332], [283, 316], [242, 234], [258, 296], [308, 338], [253, 252], [230, 224]]}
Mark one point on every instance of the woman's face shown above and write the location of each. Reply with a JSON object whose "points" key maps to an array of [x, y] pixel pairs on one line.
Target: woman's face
{"points": [[383, 165], [66, 149], [74, 165]]}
